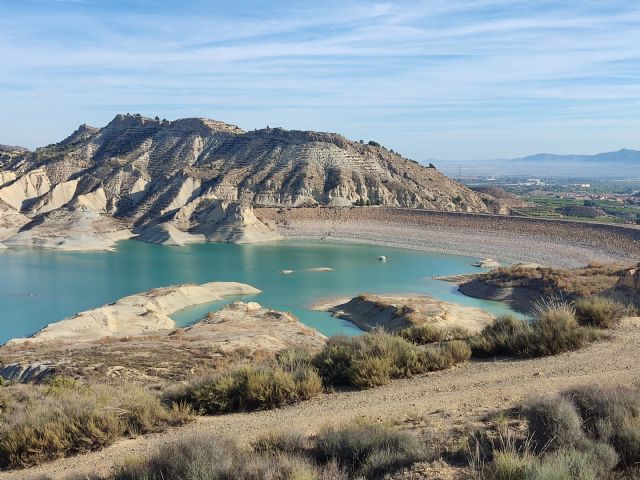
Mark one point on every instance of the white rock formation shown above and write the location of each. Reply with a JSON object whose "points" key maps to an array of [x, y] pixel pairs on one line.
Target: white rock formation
{"points": [[71, 229], [202, 177], [141, 314]]}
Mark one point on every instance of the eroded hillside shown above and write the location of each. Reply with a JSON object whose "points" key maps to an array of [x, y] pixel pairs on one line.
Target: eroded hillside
{"points": [[201, 177]]}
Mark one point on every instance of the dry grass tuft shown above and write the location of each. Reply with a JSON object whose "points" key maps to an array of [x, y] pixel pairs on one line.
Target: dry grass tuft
{"points": [[65, 418]]}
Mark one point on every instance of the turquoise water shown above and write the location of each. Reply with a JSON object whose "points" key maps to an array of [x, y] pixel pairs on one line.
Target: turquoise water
{"points": [[38, 287]]}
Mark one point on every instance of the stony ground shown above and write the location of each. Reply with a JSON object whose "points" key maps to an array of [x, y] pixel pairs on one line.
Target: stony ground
{"points": [[509, 239], [442, 403]]}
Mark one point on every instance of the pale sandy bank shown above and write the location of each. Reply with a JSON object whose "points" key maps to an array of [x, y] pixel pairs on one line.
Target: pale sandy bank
{"points": [[395, 312], [139, 314]]}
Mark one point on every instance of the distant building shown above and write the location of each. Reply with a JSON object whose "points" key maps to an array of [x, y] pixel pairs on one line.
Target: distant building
{"points": [[535, 181]]}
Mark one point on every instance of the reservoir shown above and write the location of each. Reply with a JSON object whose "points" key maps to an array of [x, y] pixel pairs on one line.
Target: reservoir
{"points": [[39, 286]]}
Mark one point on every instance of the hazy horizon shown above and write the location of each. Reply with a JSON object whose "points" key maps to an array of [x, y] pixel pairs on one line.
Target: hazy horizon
{"points": [[485, 79]]}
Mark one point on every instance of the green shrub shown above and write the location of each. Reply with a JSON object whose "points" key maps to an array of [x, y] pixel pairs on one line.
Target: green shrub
{"points": [[458, 350], [555, 330], [60, 383], [41, 424], [376, 357], [334, 361], [508, 465], [369, 450], [600, 312], [266, 387], [294, 359], [281, 442], [553, 423], [430, 333], [612, 416], [440, 357], [369, 371], [308, 383], [505, 336], [249, 388]]}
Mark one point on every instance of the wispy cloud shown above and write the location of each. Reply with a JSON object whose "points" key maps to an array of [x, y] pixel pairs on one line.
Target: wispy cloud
{"points": [[429, 78]]}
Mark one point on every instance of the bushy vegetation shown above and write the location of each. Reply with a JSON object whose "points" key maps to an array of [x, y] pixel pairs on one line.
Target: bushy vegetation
{"points": [[571, 283], [581, 434], [369, 451], [600, 312], [65, 417], [375, 358], [365, 361], [429, 333], [290, 378], [554, 330], [335, 454], [39, 423]]}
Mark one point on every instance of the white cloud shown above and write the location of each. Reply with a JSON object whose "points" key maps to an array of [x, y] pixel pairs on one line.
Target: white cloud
{"points": [[354, 67]]}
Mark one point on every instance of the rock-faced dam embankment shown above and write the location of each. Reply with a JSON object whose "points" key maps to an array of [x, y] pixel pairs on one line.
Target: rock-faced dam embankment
{"points": [[506, 238]]}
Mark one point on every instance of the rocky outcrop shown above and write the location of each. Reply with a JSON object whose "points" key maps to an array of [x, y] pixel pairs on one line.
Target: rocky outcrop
{"points": [[250, 327], [630, 279], [141, 314], [395, 312], [10, 221], [235, 333], [203, 177], [36, 372], [71, 229]]}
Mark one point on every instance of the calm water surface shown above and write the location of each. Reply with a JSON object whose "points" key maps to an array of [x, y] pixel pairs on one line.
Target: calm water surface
{"points": [[38, 287]]}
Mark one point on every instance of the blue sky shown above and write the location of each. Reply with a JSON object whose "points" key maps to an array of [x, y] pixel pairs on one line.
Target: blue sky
{"points": [[447, 79]]}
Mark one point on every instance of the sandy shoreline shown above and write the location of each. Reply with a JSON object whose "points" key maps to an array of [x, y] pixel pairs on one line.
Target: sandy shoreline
{"points": [[507, 239]]}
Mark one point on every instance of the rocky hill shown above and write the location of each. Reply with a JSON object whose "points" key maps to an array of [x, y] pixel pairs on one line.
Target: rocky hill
{"points": [[197, 179]]}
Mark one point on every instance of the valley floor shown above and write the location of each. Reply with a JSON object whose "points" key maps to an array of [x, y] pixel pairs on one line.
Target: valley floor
{"points": [[441, 401], [508, 239]]}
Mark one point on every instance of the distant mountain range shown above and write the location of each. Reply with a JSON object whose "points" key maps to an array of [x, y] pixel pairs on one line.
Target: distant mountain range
{"points": [[622, 164], [621, 156]]}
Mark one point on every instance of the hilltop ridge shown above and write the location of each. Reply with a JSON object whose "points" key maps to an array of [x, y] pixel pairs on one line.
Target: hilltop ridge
{"points": [[202, 177]]}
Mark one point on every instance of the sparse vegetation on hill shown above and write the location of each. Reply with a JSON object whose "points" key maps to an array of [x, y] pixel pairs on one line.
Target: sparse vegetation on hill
{"points": [[366, 361], [65, 417], [41, 423], [572, 283], [353, 451], [287, 379], [581, 434], [554, 330], [375, 358]]}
